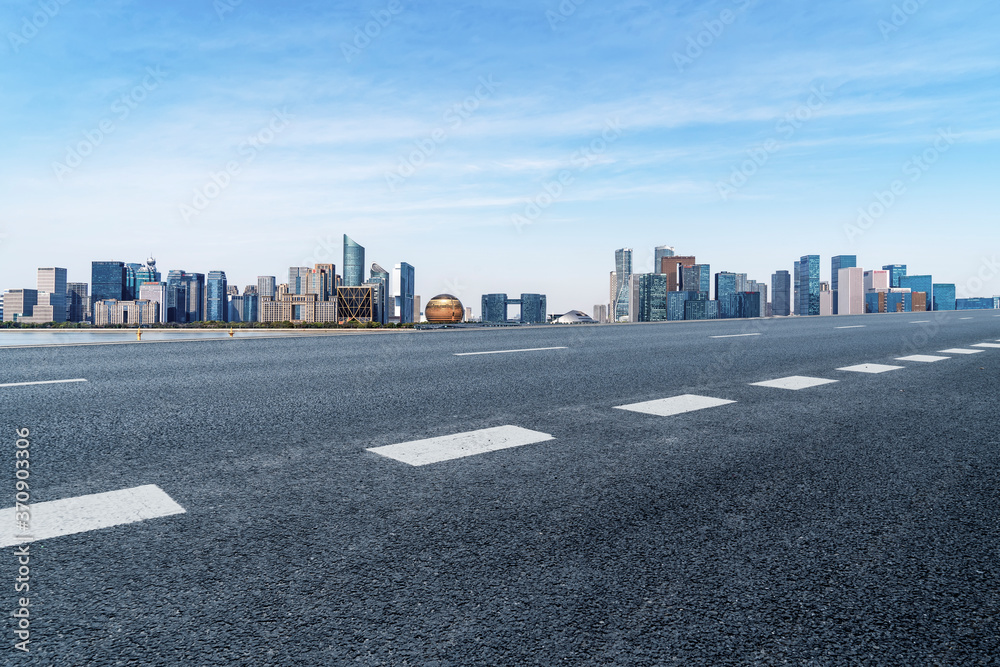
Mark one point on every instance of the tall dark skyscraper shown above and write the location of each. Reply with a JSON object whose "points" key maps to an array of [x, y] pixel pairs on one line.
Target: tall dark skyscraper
{"points": [[186, 295], [533, 309], [216, 297], [107, 280], [623, 271], [494, 308], [403, 284], [671, 267], [808, 285], [652, 297], [781, 293], [697, 278], [77, 302], [354, 264]]}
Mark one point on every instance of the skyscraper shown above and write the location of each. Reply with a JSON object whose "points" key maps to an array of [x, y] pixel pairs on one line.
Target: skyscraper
{"points": [[725, 293], [836, 264], [533, 309], [192, 307], [808, 285], [77, 302], [652, 298], [53, 281], [671, 268], [107, 280], [623, 270], [896, 271], [403, 278], [851, 295], [354, 264], [155, 292], [697, 278], [659, 253], [384, 303], [266, 287], [943, 299], [298, 276], [216, 297], [916, 284], [494, 308]]}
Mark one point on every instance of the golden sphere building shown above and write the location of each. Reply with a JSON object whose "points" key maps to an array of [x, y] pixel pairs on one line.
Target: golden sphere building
{"points": [[444, 309]]}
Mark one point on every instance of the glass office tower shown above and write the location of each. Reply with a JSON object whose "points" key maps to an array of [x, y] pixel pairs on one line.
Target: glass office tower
{"points": [[808, 285], [944, 296], [77, 302], [836, 264], [107, 280], [725, 290], [923, 284], [404, 291], [652, 297], [494, 308], [781, 292], [659, 253], [533, 309], [266, 286], [896, 271], [623, 271], [354, 265], [217, 297]]}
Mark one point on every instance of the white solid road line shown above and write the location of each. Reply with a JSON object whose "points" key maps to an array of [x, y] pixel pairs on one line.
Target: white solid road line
{"points": [[871, 368], [793, 382], [736, 335], [924, 358], [959, 350], [84, 513], [856, 326], [667, 407], [460, 445], [25, 384], [533, 349]]}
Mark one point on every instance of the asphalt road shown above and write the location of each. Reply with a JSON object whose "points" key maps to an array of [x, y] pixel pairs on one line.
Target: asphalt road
{"points": [[857, 522]]}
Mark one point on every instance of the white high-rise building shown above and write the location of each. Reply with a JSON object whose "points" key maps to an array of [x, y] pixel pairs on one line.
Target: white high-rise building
{"points": [[155, 293], [851, 291], [876, 281], [53, 281]]}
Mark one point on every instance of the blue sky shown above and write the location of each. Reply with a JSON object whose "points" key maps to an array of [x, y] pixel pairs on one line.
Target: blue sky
{"points": [[250, 136]]}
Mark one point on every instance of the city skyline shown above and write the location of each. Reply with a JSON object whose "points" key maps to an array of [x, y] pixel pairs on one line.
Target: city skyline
{"points": [[848, 134]]}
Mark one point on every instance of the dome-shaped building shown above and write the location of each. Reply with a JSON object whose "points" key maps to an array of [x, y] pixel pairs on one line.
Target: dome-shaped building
{"points": [[444, 309]]}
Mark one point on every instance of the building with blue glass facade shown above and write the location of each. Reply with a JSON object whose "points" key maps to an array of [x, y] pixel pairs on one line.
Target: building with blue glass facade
{"points": [[701, 309], [747, 304], [944, 296], [652, 297], [781, 293], [836, 264], [659, 253], [533, 307], [107, 280], [725, 293], [403, 286], [675, 304], [808, 285], [923, 284], [494, 308], [186, 296], [623, 273], [896, 271], [978, 303], [217, 297], [354, 265]]}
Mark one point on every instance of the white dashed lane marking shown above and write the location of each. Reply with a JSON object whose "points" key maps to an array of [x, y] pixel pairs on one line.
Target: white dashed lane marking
{"points": [[919, 321], [534, 349], [925, 358], [793, 382], [856, 326], [667, 407], [959, 350], [870, 368], [736, 335], [85, 513], [25, 384], [460, 445], [986, 345]]}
